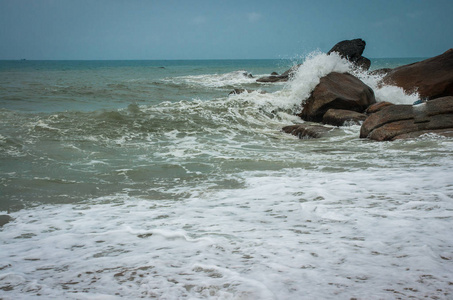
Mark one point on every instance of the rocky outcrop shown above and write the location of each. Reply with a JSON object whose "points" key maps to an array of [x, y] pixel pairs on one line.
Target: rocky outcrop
{"points": [[337, 91], [431, 78], [352, 50], [405, 121], [341, 117], [307, 131]]}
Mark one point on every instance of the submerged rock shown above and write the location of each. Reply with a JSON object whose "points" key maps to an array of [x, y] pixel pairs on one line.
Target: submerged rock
{"points": [[306, 131], [431, 78], [405, 121], [337, 91], [240, 91], [341, 117], [352, 50], [4, 219], [272, 79], [285, 76]]}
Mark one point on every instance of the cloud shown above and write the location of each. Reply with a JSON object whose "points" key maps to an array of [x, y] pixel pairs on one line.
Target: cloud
{"points": [[254, 17]]}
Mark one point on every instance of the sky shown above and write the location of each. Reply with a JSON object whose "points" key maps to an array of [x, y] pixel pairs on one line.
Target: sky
{"points": [[220, 29]]}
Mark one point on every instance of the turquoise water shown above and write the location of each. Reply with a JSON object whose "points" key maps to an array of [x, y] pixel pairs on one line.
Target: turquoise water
{"points": [[131, 179]]}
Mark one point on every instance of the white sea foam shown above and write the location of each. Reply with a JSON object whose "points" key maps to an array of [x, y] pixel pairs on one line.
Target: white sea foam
{"points": [[214, 80], [317, 65], [387, 93], [287, 234]]}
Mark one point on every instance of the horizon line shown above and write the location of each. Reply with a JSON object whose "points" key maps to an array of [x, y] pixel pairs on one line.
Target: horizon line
{"points": [[184, 59]]}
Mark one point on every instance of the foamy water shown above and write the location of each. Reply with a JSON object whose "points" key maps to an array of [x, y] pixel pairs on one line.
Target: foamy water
{"points": [[208, 199]]}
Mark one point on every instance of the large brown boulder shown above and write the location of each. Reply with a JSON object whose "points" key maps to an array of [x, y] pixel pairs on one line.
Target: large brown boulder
{"points": [[337, 91], [405, 121], [374, 108], [352, 50], [431, 78]]}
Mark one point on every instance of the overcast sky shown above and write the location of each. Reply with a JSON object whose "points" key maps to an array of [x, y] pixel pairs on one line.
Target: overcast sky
{"points": [[220, 29]]}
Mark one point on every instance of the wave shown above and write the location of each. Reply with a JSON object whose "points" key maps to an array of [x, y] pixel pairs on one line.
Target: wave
{"points": [[317, 65], [214, 80]]}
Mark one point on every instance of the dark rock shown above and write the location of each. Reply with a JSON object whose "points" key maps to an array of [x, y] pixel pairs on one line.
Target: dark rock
{"points": [[382, 71], [341, 117], [285, 76], [337, 91], [272, 79], [431, 78], [240, 91], [237, 91], [352, 50], [405, 121], [306, 131], [363, 63], [274, 73], [374, 108], [4, 219]]}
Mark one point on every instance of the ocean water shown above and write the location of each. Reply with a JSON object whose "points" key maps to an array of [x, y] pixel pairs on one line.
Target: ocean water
{"points": [[145, 179]]}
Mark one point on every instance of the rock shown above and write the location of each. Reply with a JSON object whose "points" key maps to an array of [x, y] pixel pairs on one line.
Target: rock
{"points": [[4, 219], [237, 91], [390, 131], [388, 114], [240, 91], [306, 131], [374, 108], [274, 73], [341, 117], [431, 78], [272, 79], [363, 63], [382, 71], [405, 121], [415, 134], [352, 50], [285, 76], [337, 91]]}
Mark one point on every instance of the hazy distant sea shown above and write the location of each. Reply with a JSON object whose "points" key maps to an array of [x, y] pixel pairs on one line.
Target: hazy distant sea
{"points": [[130, 179]]}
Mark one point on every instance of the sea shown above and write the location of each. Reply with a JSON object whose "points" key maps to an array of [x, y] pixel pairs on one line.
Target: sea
{"points": [[148, 179]]}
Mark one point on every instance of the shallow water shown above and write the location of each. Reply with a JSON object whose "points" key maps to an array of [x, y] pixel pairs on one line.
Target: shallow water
{"points": [[128, 180]]}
